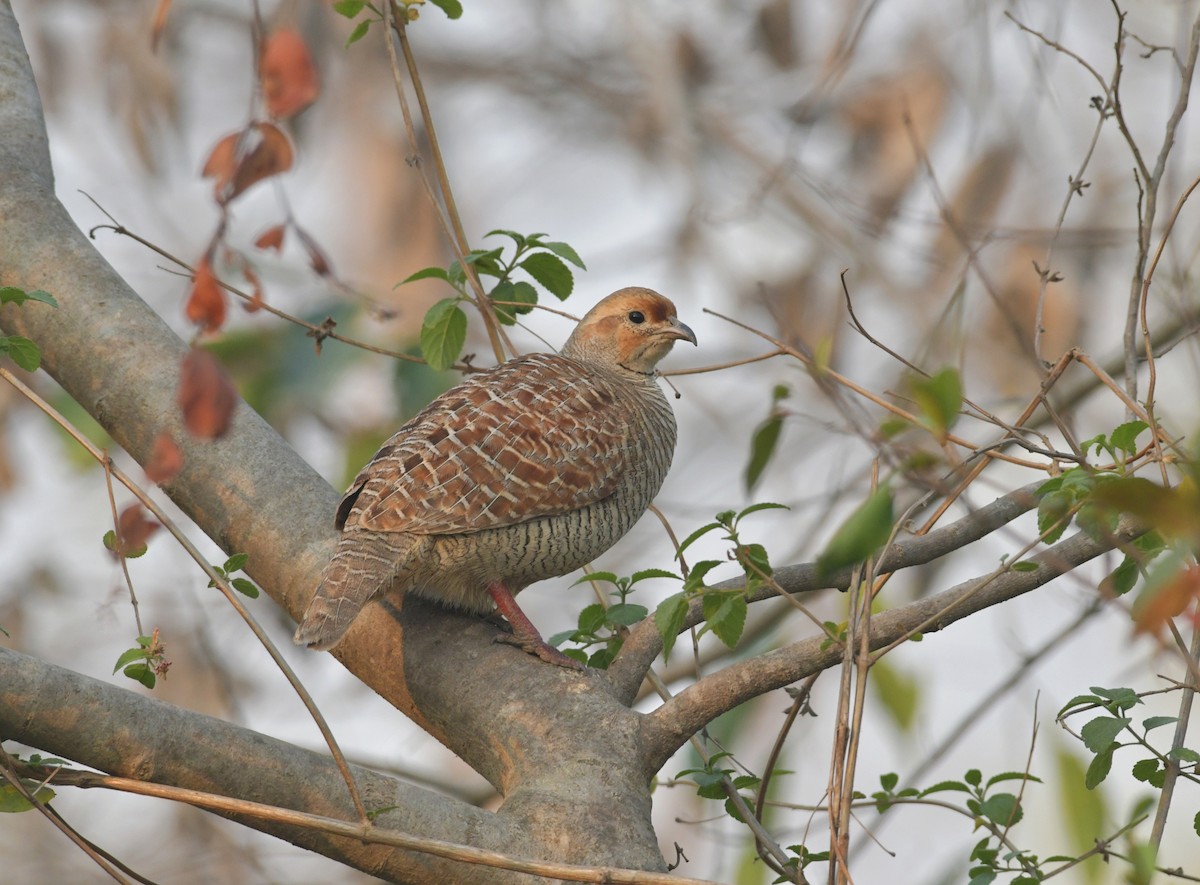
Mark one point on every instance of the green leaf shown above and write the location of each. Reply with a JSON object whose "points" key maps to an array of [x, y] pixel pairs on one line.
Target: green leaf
{"points": [[946, 786], [601, 658], [1025, 565], [558, 639], [452, 8], [1124, 577], [518, 239], [1150, 771], [1120, 698], [523, 296], [1100, 734], [591, 618], [1099, 768], [245, 586], [141, 673], [13, 295], [974, 777], [23, 352], [1053, 515], [648, 573], [562, 250], [1080, 700], [626, 613], [1002, 808], [1125, 435], [939, 399], [668, 618], [762, 447], [696, 535], [1012, 776], [982, 877], [12, 801], [725, 614], [888, 781], [128, 656], [349, 8], [864, 532], [697, 573], [425, 273], [360, 31], [550, 270], [606, 577], [763, 505], [236, 563], [754, 557], [899, 692], [1183, 754], [1158, 721], [1196, 823], [443, 333], [577, 654]]}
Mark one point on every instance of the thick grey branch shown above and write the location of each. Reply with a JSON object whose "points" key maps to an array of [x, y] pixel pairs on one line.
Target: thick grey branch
{"points": [[127, 734], [644, 643], [668, 727]]}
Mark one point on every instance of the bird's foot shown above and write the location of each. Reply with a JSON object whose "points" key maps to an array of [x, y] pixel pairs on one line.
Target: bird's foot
{"points": [[539, 648]]}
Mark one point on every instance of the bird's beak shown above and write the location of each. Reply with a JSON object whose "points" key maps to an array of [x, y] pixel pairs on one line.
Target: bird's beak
{"points": [[679, 330]]}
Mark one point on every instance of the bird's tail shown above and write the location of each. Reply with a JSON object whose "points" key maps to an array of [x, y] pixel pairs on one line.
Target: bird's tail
{"points": [[363, 566]]}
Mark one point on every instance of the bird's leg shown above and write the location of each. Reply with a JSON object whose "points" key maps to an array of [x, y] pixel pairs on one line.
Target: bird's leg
{"points": [[524, 635]]}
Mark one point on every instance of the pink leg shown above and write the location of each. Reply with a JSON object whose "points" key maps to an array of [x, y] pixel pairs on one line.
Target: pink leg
{"points": [[524, 635]]}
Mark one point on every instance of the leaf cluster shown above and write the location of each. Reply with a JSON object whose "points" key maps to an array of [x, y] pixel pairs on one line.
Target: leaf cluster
{"points": [[144, 662], [602, 627], [724, 610], [1115, 729], [444, 330]]}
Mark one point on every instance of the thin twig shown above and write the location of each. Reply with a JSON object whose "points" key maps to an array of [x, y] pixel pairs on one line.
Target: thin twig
{"points": [[369, 833]]}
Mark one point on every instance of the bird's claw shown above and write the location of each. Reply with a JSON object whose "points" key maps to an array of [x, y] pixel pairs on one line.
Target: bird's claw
{"points": [[539, 648]]}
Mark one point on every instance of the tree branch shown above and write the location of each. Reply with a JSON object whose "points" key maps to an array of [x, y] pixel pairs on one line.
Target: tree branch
{"points": [[644, 643], [670, 725]]}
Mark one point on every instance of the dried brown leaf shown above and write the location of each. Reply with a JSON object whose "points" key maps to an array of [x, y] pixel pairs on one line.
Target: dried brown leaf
{"points": [[206, 395], [134, 529], [1150, 615], [160, 23], [289, 79], [243, 158], [166, 459], [271, 238], [206, 303]]}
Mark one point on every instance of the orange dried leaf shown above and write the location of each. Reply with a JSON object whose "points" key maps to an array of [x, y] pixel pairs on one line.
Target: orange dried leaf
{"points": [[134, 528], [206, 304], [1151, 613], [160, 23], [241, 159], [256, 299], [271, 238], [206, 395], [289, 79], [166, 459]]}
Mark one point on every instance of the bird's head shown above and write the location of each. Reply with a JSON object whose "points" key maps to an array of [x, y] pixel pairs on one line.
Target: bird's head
{"points": [[631, 329]]}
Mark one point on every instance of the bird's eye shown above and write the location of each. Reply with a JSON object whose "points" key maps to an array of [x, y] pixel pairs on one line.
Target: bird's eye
{"points": [[637, 317]]}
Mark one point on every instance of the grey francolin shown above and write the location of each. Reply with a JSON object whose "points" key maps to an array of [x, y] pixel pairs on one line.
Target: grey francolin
{"points": [[523, 472]]}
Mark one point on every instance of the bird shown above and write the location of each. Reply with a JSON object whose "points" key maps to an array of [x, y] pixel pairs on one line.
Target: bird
{"points": [[522, 472]]}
